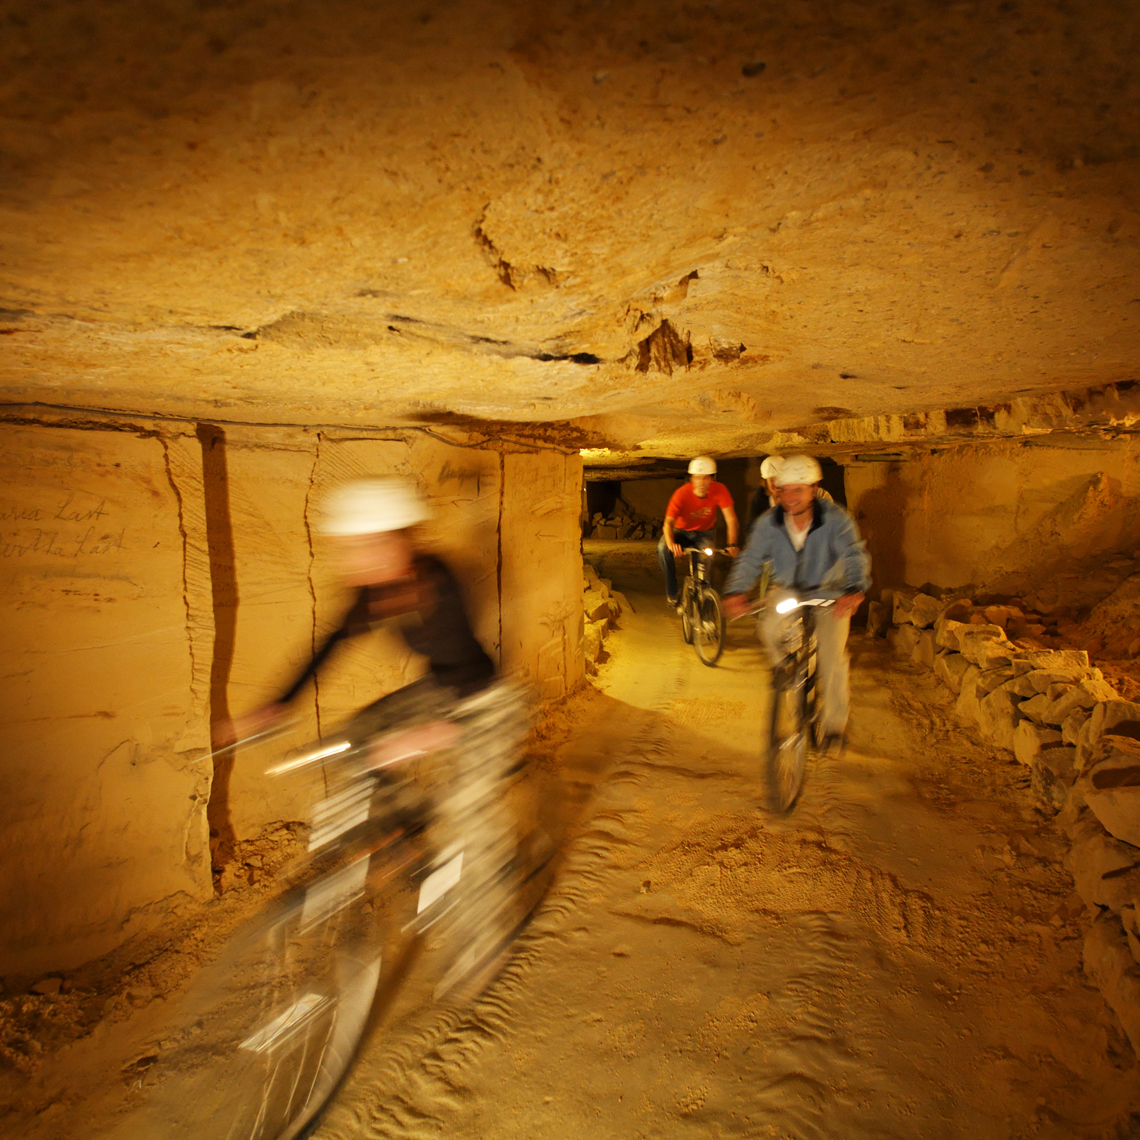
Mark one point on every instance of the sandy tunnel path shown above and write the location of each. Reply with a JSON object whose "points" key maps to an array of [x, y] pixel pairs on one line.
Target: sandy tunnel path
{"points": [[899, 958]]}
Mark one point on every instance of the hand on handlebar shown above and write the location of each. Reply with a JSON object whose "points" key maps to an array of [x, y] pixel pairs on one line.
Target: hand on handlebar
{"points": [[674, 546], [399, 747], [847, 605], [735, 605], [228, 732]]}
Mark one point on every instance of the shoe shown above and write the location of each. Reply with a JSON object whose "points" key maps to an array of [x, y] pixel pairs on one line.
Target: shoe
{"points": [[674, 604]]}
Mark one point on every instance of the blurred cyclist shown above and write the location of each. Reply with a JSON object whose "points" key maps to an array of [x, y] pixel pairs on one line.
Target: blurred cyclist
{"points": [[814, 548], [690, 519], [459, 706]]}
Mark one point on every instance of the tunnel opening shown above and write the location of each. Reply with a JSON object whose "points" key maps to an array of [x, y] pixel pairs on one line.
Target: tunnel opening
{"points": [[633, 508]]}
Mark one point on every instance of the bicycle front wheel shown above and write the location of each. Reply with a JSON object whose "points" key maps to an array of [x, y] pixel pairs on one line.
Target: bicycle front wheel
{"points": [[688, 613], [787, 741], [709, 626], [263, 1040]]}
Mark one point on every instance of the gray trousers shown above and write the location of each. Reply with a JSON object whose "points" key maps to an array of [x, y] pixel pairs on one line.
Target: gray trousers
{"points": [[777, 632]]}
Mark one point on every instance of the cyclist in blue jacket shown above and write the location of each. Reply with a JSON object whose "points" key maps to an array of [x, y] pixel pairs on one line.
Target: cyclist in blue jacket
{"points": [[814, 548]]}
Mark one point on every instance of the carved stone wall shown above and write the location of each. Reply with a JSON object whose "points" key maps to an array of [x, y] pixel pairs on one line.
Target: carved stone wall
{"points": [[157, 576], [103, 797], [1003, 515]]}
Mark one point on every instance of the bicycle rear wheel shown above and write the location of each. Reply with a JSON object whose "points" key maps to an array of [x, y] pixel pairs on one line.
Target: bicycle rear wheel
{"points": [[709, 629], [787, 739], [266, 1035]]}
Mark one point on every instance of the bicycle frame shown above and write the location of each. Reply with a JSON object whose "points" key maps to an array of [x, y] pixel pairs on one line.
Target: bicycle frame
{"points": [[265, 1035], [794, 716], [702, 618], [700, 563]]}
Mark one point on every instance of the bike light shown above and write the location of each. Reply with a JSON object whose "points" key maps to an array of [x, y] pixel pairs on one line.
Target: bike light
{"points": [[707, 550], [786, 606]]}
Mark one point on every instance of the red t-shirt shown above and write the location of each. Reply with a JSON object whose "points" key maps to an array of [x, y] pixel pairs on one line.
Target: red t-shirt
{"points": [[689, 512]]}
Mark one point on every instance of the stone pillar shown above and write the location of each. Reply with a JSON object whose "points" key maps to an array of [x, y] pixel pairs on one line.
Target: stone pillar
{"points": [[542, 571]]}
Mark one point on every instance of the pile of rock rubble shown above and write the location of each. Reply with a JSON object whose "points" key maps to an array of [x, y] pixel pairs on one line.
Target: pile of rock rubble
{"points": [[622, 522], [1080, 740], [602, 605]]}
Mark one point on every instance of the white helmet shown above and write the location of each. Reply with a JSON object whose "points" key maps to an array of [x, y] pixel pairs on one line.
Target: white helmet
{"points": [[798, 469], [770, 468], [702, 465], [372, 506]]}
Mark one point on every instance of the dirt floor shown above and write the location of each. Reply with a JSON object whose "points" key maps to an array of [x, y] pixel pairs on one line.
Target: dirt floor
{"points": [[71, 1057], [900, 957]]}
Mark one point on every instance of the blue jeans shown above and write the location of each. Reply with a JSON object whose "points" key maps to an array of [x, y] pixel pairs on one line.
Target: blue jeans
{"points": [[686, 540]]}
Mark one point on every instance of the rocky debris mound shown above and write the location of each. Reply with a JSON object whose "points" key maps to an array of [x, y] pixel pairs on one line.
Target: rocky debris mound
{"points": [[1109, 631], [623, 522], [1079, 738], [602, 605], [1113, 624], [922, 609]]}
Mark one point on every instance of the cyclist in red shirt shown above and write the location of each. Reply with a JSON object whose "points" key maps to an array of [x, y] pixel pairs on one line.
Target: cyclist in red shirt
{"points": [[690, 519]]}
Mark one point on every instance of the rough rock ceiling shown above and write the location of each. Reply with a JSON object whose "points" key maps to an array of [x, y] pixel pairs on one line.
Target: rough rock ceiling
{"points": [[678, 225]]}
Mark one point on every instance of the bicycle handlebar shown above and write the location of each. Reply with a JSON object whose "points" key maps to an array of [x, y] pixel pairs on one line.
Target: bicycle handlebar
{"points": [[790, 604], [706, 550], [787, 606], [315, 755], [263, 734], [325, 750]]}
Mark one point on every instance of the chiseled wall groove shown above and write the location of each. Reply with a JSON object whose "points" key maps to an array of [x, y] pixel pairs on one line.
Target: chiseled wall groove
{"points": [[309, 574], [185, 552], [225, 602], [499, 558]]}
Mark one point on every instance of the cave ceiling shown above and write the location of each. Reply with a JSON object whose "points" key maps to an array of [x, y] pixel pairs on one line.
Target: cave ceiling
{"points": [[659, 226]]}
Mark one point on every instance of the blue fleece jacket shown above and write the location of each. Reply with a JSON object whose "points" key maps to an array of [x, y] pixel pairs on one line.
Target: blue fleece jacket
{"points": [[833, 562]]}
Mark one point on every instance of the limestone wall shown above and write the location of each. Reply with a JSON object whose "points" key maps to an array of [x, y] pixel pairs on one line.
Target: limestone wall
{"points": [[1003, 516], [102, 797], [649, 497], [152, 580]]}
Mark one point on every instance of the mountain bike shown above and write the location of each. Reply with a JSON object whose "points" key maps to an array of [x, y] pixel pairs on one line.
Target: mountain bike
{"points": [[793, 726], [702, 617], [261, 1042]]}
